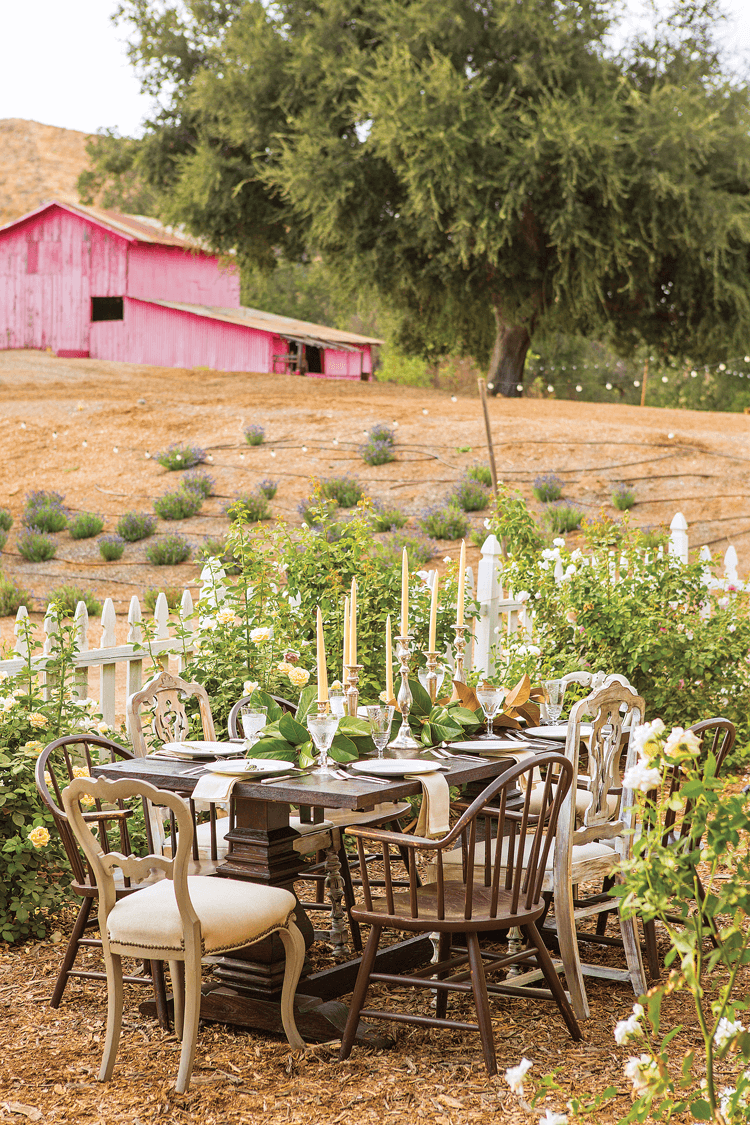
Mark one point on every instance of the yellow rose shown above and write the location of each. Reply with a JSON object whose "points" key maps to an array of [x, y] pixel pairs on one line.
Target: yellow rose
{"points": [[34, 748], [80, 771], [298, 677], [87, 801], [285, 667], [39, 837], [38, 720]]}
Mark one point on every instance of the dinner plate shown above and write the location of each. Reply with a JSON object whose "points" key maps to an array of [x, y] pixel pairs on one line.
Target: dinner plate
{"points": [[482, 746], [198, 749], [244, 767], [557, 730], [395, 767]]}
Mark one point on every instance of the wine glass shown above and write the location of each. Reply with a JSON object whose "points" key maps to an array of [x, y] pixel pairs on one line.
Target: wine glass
{"points": [[380, 716], [336, 700], [490, 699], [554, 694], [322, 729], [254, 718]]}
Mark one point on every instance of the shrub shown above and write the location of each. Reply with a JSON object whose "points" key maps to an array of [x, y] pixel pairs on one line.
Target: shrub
{"points": [[345, 491], [215, 548], [169, 551], [651, 538], [563, 517], [179, 505], [250, 506], [180, 456], [470, 495], [547, 488], [3, 539], [444, 521], [269, 488], [480, 473], [382, 432], [85, 525], [68, 596], [377, 452], [255, 435], [48, 516], [6, 520], [12, 597], [387, 553], [171, 593], [133, 526], [198, 480], [111, 547], [42, 498], [36, 547], [623, 497], [315, 512], [386, 519]]}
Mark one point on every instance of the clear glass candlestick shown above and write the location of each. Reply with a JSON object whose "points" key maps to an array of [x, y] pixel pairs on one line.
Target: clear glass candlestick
{"points": [[253, 720], [490, 699], [322, 730], [380, 716]]}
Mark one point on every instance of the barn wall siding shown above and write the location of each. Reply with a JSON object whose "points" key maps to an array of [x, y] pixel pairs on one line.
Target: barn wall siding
{"points": [[165, 273], [343, 365]]}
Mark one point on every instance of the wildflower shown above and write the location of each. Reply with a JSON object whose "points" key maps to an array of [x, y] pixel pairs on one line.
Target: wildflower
{"points": [[552, 1118], [515, 1075], [260, 635], [47, 778], [447, 559], [383, 697], [641, 1072], [628, 1029], [571, 617], [87, 801], [39, 837], [641, 776], [570, 571], [38, 720], [298, 677], [250, 686], [726, 1030], [34, 748]]}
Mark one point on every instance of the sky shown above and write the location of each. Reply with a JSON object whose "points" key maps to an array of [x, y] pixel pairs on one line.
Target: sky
{"points": [[65, 64]]}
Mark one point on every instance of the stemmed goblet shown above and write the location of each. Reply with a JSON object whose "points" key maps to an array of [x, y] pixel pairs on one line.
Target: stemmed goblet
{"points": [[380, 716], [554, 694], [322, 730], [490, 699], [253, 720]]}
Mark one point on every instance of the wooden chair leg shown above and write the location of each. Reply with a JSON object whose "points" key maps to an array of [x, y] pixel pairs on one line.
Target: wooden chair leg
{"points": [[192, 968], [482, 1002], [443, 953], [601, 921], [533, 936], [360, 991], [113, 965], [156, 968], [349, 899], [632, 945], [568, 942], [177, 973], [71, 952], [652, 953], [294, 948]]}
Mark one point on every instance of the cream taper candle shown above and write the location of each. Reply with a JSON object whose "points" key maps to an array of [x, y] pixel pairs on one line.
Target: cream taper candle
{"points": [[461, 582], [433, 613], [388, 661], [322, 670], [404, 594], [346, 639], [353, 623]]}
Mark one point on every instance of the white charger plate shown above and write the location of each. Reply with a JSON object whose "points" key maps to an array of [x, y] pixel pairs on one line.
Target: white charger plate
{"points": [[198, 749], [558, 730], [395, 767], [255, 767], [481, 746]]}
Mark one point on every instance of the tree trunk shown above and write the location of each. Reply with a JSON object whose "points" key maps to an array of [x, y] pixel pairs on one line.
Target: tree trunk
{"points": [[505, 373]]}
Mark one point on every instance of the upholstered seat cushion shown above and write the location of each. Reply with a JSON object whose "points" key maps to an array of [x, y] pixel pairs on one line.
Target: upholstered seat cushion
{"points": [[232, 913], [583, 800]]}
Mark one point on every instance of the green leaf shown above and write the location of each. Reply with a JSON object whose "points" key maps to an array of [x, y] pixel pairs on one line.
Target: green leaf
{"points": [[421, 702], [274, 748], [343, 749], [263, 699], [700, 1109], [306, 700], [293, 731], [426, 735], [359, 728]]}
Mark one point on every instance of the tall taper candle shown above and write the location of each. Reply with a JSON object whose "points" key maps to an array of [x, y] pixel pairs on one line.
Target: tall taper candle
{"points": [[461, 581], [322, 670], [353, 624], [388, 661], [433, 613], [347, 661], [404, 594]]}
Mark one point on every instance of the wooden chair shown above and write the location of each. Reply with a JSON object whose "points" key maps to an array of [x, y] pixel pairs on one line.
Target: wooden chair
{"points": [[179, 918], [56, 766], [165, 697], [337, 820], [718, 737], [498, 894]]}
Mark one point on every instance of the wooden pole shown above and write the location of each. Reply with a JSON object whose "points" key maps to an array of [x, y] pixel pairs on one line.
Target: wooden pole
{"points": [[645, 380], [490, 448]]}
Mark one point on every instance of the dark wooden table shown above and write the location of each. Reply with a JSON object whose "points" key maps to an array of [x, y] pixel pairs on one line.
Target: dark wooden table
{"points": [[246, 985]]}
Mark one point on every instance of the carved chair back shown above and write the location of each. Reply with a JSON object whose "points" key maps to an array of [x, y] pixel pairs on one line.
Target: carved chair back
{"points": [[165, 694]]}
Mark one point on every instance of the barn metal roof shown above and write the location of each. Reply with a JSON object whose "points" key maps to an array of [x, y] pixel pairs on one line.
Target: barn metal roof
{"points": [[303, 331], [134, 228]]}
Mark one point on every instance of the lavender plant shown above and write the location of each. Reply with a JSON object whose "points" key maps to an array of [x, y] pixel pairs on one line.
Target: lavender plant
{"points": [[181, 456], [111, 547], [133, 526], [198, 480], [254, 434], [547, 488]]}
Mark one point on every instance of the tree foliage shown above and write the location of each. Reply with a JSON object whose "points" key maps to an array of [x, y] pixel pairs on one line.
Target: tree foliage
{"points": [[491, 167]]}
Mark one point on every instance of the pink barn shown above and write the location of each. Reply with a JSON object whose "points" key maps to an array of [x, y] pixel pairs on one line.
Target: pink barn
{"points": [[87, 282]]}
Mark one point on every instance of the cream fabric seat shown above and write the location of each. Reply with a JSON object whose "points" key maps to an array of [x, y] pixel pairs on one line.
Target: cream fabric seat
{"points": [[583, 800], [179, 919]]}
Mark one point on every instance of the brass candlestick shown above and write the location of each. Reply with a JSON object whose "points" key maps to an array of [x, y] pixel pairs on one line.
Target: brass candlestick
{"points": [[351, 689], [323, 708], [459, 645], [404, 740], [432, 675]]}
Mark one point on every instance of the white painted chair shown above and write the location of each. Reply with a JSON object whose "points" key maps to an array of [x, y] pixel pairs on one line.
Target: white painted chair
{"points": [[179, 919]]}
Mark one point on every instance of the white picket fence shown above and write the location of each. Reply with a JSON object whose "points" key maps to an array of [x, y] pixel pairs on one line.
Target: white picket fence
{"points": [[501, 615]]}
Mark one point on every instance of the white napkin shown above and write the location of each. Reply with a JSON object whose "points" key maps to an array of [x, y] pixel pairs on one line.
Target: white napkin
{"points": [[215, 787], [434, 814]]}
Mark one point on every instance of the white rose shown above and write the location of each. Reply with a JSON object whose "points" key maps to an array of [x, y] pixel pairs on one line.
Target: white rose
{"points": [[641, 776], [552, 1118], [558, 542], [726, 1030], [260, 635], [641, 1072], [250, 686], [515, 1075]]}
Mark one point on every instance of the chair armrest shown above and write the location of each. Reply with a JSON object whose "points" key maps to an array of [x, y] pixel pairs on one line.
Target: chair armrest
{"points": [[399, 839]]}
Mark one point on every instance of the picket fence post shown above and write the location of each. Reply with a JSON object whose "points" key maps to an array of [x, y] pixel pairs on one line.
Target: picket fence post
{"points": [[81, 675], [108, 672], [678, 539]]}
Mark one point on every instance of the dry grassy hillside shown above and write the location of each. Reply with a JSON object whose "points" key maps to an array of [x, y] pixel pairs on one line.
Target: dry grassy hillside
{"points": [[37, 163]]}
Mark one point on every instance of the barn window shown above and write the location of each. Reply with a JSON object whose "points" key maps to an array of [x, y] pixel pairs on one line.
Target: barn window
{"points": [[32, 257], [106, 308]]}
